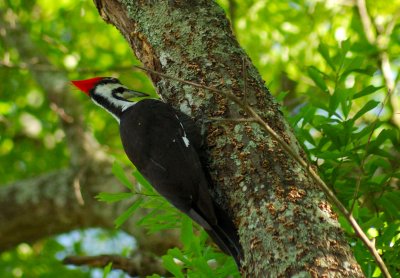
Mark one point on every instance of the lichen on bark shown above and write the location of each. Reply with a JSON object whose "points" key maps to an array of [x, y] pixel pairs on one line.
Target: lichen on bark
{"points": [[286, 226]]}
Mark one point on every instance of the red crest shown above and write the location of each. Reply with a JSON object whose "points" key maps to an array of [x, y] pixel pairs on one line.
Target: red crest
{"points": [[87, 84]]}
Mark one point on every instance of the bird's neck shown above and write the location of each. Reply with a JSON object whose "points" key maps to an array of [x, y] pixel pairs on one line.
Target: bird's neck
{"points": [[113, 106]]}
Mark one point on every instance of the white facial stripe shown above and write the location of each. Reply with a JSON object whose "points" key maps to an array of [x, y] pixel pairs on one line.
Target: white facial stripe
{"points": [[112, 114], [105, 90]]}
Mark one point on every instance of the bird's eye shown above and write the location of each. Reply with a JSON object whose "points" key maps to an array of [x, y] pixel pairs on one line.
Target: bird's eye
{"points": [[120, 90]]}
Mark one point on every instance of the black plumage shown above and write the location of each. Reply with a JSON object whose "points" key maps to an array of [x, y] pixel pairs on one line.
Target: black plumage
{"points": [[173, 166], [166, 147]]}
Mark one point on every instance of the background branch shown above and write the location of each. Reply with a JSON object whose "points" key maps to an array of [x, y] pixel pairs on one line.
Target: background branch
{"points": [[139, 264], [380, 38]]}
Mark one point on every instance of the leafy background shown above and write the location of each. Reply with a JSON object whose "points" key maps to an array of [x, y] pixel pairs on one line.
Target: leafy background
{"points": [[336, 79]]}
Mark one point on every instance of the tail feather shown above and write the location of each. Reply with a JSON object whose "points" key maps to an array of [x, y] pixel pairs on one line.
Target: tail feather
{"points": [[225, 235]]}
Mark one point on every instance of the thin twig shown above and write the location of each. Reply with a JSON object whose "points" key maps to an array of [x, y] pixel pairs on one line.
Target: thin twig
{"points": [[237, 120], [331, 196], [145, 195], [366, 21]]}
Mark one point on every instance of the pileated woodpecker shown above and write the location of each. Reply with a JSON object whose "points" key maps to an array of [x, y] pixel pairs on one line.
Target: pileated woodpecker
{"points": [[166, 147]]}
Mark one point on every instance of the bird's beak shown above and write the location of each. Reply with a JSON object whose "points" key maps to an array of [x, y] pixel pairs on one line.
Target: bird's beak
{"points": [[130, 94]]}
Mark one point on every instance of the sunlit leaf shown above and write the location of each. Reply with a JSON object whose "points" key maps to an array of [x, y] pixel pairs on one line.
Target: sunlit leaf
{"points": [[317, 77], [367, 91], [128, 213], [107, 270], [113, 197], [171, 266], [119, 173], [367, 107], [324, 51], [186, 231]]}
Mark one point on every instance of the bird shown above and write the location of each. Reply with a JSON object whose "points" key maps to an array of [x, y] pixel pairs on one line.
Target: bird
{"points": [[166, 147]]}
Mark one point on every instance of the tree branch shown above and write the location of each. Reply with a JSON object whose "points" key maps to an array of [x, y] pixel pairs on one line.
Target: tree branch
{"points": [[49, 205], [369, 27], [138, 265], [380, 40]]}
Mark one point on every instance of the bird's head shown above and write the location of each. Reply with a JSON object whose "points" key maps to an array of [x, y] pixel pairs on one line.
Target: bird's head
{"points": [[109, 93]]}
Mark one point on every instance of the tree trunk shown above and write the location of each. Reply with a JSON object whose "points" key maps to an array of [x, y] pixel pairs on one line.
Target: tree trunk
{"points": [[286, 226]]}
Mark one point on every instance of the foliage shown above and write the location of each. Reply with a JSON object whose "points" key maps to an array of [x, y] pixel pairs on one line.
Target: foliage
{"points": [[313, 54], [37, 261], [192, 260], [354, 148]]}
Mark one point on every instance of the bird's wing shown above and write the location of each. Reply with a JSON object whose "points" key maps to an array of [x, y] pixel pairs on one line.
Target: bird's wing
{"points": [[153, 136], [156, 142]]}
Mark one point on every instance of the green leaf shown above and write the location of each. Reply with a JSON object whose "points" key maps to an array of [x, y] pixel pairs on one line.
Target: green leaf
{"points": [[389, 207], [394, 198], [317, 77], [107, 270], [339, 96], [389, 134], [324, 51], [356, 210], [338, 134], [149, 216], [369, 70], [177, 253], [203, 267], [367, 107], [377, 162], [305, 134], [364, 133], [198, 244], [384, 135], [346, 107], [390, 233], [281, 96], [119, 173], [345, 46], [350, 65], [186, 231], [126, 214], [305, 115], [332, 155], [113, 197], [344, 223], [367, 91], [140, 179], [171, 266]]}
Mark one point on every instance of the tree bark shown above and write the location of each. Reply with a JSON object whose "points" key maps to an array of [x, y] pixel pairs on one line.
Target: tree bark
{"points": [[286, 226]]}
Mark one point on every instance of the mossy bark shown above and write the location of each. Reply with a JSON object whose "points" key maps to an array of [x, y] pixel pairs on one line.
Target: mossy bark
{"points": [[286, 226]]}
